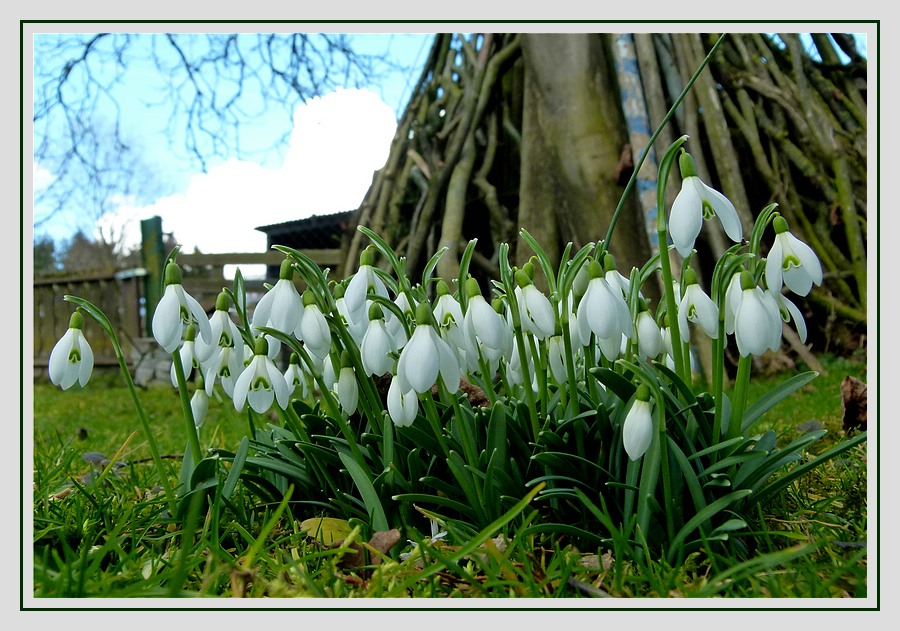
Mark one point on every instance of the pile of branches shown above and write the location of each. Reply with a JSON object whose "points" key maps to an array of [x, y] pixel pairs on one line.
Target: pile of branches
{"points": [[781, 118]]}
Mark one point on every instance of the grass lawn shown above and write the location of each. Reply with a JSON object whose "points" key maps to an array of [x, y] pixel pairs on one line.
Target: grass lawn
{"points": [[103, 531]]}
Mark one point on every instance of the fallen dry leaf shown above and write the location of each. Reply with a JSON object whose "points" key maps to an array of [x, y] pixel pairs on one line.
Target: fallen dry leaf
{"points": [[853, 392]]}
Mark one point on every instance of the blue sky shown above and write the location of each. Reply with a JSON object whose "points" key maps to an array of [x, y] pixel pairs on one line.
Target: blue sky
{"points": [[323, 170], [338, 141]]}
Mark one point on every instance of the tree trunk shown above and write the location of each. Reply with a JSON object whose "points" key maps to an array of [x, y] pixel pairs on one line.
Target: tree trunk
{"points": [[574, 138]]}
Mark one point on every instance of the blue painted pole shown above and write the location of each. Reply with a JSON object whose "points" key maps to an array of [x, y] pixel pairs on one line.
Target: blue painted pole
{"points": [[638, 123]]}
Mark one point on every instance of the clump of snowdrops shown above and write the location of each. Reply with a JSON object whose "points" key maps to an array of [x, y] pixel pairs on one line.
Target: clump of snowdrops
{"points": [[557, 399]]}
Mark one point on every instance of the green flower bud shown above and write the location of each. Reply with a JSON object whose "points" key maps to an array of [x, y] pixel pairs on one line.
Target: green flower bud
{"points": [[423, 313], [780, 224], [522, 278], [173, 274], [287, 270], [76, 321], [223, 301], [261, 346], [747, 281], [687, 165], [472, 288], [690, 277], [642, 393]]}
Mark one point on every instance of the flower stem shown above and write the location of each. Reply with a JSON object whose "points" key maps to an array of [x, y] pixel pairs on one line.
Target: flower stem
{"points": [[431, 414], [187, 412], [104, 323], [739, 400]]}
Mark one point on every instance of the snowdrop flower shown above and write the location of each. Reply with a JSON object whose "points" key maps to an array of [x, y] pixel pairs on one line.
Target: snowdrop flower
{"points": [[449, 317], [611, 347], [637, 431], [226, 366], [199, 406], [71, 359], [482, 323], [426, 356], [260, 383], [313, 327], [757, 319], [789, 311], [225, 359], [603, 310], [281, 307], [556, 351], [223, 332], [364, 280], [394, 325], [791, 261], [347, 388], [329, 375], [356, 329], [697, 307], [402, 406], [192, 354], [535, 310], [695, 202], [377, 345], [295, 377], [649, 338], [516, 368], [174, 312]]}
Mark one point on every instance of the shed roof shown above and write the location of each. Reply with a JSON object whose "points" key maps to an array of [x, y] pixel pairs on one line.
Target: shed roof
{"points": [[315, 232]]}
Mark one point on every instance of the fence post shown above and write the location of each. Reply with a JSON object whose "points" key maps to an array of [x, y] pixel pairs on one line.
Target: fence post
{"points": [[152, 257]]}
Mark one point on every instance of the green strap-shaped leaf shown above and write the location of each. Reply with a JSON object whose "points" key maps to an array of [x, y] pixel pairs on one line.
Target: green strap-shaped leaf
{"points": [[367, 491], [702, 517]]}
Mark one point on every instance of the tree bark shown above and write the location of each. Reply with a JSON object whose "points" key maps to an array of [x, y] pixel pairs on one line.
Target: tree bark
{"points": [[573, 139]]}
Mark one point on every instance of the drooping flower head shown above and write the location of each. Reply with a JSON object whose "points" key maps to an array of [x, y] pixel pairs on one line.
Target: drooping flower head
{"points": [[71, 359], [697, 307], [603, 310], [637, 431], [356, 329], [281, 307], [402, 406], [449, 317], [535, 310], [757, 318], [199, 405], [295, 377], [176, 309], [192, 355], [649, 337], [377, 345], [695, 202], [791, 261], [312, 328], [365, 280], [347, 387], [483, 325], [261, 383], [226, 353], [426, 356]]}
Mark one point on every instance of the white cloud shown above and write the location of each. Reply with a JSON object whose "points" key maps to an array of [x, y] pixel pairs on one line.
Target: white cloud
{"points": [[338, 142], [41, 177]]}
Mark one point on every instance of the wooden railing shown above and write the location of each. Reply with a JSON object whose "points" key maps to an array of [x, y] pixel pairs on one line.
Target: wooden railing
{"points": [[121, 296]]}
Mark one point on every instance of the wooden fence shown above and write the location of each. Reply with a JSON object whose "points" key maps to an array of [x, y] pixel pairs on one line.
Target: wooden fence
{"points": [[122, 296]]}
